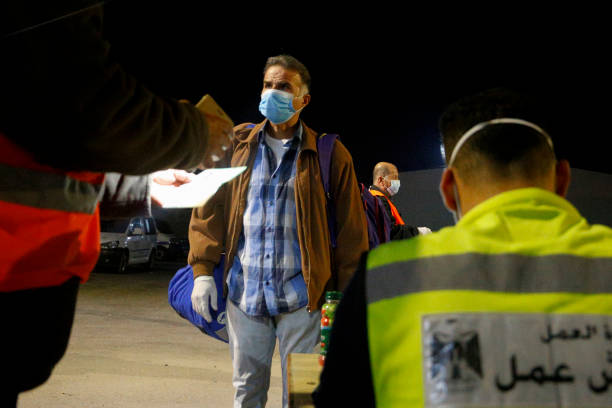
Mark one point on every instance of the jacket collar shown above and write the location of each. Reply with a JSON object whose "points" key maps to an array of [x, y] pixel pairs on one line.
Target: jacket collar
{"points": [[309, 136], [536, 198], [373, 187]]}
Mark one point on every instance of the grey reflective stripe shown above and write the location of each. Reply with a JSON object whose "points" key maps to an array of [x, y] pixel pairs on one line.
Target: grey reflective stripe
{"points": [[47, 190], [496, 273]]}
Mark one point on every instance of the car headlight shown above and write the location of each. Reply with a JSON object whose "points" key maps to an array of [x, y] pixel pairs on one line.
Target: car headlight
{"points": [[110, 245]]}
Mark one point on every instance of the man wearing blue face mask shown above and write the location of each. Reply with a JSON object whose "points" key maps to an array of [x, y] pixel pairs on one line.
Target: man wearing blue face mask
{"points": [[271, 223], [385, 184]]}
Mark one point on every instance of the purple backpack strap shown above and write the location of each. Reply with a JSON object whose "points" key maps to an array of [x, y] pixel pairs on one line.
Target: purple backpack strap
{"points": [[325, 148]]}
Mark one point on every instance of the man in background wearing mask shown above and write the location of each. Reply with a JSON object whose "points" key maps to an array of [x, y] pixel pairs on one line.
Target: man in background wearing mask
{"points": [[385, 184], [271, 224]]}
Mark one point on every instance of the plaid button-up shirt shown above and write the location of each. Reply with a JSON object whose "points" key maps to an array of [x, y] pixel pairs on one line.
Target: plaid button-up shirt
{"points": [[266, 278]]}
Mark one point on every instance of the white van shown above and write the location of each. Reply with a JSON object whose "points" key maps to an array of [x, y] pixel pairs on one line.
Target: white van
{"points": [[127, 241]]}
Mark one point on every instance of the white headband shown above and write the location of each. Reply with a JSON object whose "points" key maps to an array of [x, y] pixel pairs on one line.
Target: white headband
{"points": [[497, 121]]}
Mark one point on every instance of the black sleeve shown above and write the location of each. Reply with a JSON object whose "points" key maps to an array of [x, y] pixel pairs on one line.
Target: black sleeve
{"points": [[68, 102], [346, 380], [398, 231], [403, 232]]}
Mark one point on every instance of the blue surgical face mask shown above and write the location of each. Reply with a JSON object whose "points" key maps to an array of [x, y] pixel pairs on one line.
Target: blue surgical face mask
{"points": [[277, 106]]}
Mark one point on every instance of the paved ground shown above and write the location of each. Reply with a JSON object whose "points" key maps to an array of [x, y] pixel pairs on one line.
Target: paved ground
{"points": [[130, 349]]}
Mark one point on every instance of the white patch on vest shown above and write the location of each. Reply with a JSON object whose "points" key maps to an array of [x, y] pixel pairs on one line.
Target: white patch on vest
{"points": [[519, 360]]}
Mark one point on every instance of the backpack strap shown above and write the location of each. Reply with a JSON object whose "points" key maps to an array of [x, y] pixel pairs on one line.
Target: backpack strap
{"points": [[384, 220], [381, 225], [325, 148]]}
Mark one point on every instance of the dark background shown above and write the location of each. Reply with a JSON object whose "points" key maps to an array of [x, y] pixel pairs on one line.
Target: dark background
{"points": [[381, 75]]}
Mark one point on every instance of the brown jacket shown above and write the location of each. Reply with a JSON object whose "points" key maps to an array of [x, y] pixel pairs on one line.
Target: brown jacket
{"points": [[215, 228]]}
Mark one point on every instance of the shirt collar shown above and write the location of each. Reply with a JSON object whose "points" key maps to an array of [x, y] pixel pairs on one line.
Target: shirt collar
{"points": [[264, 130], [373, 187]]}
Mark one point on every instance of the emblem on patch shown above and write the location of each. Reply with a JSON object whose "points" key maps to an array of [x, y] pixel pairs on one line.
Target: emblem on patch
{"points": [[452, 359]]}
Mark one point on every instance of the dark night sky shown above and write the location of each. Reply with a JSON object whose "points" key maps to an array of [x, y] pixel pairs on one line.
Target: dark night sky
{"points": [[380, 78]]}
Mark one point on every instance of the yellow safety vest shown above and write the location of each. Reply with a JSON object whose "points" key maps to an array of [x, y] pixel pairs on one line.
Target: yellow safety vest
{"points": [[511, 307]]}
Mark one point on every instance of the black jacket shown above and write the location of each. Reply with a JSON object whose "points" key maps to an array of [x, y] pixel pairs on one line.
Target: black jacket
{"points": [[346, 379], [65, 100], [397, 231]]}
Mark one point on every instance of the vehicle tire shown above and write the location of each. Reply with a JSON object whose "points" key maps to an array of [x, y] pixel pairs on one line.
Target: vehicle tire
{"points": [[160, 253], [151, 262], [123, 262]]}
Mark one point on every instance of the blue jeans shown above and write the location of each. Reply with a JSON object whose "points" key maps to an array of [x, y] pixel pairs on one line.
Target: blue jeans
{"points": [[252, 340]]}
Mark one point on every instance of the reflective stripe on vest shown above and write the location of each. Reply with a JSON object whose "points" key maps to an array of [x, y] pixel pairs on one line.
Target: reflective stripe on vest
{"points": [[49, 221], [473, 339], [47, 190], [486, 315], [492, 273], [394, 212]]}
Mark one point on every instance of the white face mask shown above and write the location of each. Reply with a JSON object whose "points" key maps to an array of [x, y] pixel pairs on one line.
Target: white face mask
{"points": [[456, 214], [394, 187], [477, 128]]}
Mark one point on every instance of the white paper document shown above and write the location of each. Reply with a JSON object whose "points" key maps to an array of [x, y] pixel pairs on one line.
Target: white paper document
{"points": [[197, 192]]}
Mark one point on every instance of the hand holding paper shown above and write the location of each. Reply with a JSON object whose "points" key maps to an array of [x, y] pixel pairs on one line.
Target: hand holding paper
{"points": [[175, 193], [172, 177]]}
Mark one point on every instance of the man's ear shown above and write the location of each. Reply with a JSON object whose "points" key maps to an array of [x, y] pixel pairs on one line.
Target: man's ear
{"points": [[447, 183], [563, 176], [305, 100]]}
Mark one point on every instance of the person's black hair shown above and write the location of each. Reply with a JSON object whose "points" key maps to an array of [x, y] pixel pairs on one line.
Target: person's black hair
{"points": [[503, 147], [289, 62]]}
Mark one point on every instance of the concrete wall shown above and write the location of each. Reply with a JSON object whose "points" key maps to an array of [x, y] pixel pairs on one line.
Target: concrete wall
{"points": [[591, 194], [420, 203]]}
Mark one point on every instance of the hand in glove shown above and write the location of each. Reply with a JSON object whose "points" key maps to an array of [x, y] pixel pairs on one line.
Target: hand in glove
{"points": [[424, 230], [204, 289]]}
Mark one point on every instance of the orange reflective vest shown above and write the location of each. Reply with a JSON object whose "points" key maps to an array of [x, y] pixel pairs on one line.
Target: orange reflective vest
{"points": [[49, 221], [394, 212]]}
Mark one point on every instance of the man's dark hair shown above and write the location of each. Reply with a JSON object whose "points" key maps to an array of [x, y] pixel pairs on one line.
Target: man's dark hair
{"points": [[507, 150], [289, 62]]}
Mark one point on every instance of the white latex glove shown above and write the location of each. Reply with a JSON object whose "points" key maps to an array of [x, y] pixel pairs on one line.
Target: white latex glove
{"points": [[204, 289], [424, 230]]}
